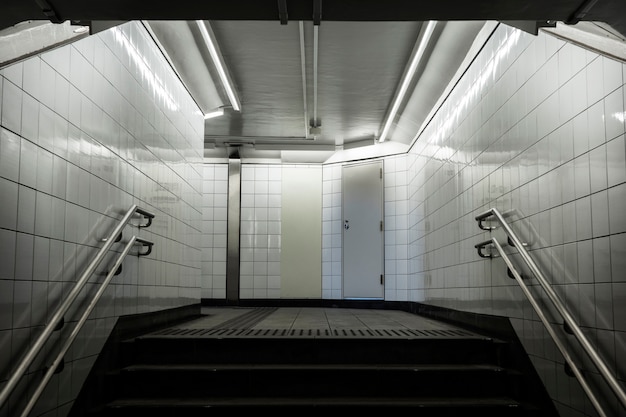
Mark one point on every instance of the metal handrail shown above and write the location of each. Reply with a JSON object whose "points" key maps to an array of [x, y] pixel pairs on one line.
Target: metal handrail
{"points": [[556, 301], [57, 317], [579, 376], [58, 361]]}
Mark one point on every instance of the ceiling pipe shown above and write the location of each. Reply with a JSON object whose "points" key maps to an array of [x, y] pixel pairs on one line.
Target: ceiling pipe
{"points": [[315, 52], [251, 139], [317, 20], [303, 67], [276, 143], [282, 12]]}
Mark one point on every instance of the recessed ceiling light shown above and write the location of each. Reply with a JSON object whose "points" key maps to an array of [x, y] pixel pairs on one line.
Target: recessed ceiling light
{"points": [[81, 29], [212, 114]]}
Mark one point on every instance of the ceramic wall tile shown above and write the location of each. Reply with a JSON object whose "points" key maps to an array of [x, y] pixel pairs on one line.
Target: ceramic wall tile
{"points": [[67, 144], [568, 192]]}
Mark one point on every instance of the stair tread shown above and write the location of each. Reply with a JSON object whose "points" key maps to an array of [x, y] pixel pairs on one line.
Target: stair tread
{"points": [[193, 337], [280, 366], [265, 401]]}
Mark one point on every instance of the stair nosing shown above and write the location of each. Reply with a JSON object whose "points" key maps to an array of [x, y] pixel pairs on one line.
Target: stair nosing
{"points": [[425, 401], [303, 366]]}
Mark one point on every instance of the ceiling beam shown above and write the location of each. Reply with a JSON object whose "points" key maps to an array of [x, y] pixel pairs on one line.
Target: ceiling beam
{"points": [[611, 12], [283, 16]]}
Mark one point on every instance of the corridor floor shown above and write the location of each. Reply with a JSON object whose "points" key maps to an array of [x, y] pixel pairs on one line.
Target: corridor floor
{"points": [[223, 322]]}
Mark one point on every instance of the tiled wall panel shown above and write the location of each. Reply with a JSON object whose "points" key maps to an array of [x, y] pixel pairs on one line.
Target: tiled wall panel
{"points": [[214, 230], [535, 128], [86, 131], [332, 228], [396, 207], [260, 231]]}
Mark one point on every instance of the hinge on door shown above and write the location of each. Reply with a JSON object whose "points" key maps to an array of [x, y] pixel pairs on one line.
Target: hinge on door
{"points": [[381, 226], [382, 279], [381, 173]]}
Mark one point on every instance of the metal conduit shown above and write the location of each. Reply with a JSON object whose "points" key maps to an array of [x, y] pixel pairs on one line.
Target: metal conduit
{"points": [[303, 65], [315, 53]]}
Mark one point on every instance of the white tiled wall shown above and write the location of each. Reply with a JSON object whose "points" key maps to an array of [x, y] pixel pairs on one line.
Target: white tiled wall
{"points": [[214, 229], [396, 229], [537, 126], [260, 242], [86, 131], [331, 232]]}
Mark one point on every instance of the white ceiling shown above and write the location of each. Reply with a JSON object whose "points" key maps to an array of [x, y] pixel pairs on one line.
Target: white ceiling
{"points": [[350, 86]]}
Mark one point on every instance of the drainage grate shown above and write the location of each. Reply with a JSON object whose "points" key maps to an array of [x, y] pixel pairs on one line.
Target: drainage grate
{"points": [[224, 332], [247, 320]]}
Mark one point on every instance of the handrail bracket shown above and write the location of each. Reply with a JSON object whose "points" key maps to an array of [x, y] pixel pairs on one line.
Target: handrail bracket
{"points": [[483, 217], [144, 243], [481, 246], [147, 215]]}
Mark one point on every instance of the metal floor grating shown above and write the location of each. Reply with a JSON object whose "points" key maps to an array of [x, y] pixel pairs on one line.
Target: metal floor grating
{"points": [[314, 333], [272, 322]]}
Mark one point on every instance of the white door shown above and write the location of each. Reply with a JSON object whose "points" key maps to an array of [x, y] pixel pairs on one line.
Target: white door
{"points": [[363, 245]]}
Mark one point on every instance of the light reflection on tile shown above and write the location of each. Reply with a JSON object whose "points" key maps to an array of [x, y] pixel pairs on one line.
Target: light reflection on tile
{"points": [[9, 155], [24, 256], [617, 202], [9, 206], [7, 248], [11, 106]]}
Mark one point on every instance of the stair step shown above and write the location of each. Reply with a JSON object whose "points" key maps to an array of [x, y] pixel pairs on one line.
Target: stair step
{"points": [[195, 372], [313, 380], [493, 406], [158, 350], [315, 367]]}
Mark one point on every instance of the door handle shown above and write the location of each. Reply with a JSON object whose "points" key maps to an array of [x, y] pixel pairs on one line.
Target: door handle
{"points": [[346, 224]]}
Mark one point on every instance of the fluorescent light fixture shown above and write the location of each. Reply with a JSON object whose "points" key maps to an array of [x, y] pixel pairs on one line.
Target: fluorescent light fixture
{"points": [[417, 57], [209, 39], [81, 29], [215, 113]]}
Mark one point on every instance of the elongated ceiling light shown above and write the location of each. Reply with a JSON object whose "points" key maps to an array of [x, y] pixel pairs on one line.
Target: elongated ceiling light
{"points": [[408, 77], [209, 39], [216, 113]]}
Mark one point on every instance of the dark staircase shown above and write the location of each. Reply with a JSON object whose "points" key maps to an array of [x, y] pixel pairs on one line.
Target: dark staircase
{"points": [[430, 375]]}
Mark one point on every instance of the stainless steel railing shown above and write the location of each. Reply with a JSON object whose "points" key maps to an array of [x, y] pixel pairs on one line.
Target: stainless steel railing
{"points": [[593, 355], [57, 317]]}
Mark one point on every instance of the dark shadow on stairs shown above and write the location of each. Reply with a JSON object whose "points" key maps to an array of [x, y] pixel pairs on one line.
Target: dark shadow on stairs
{"points": [[483, 371]]}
